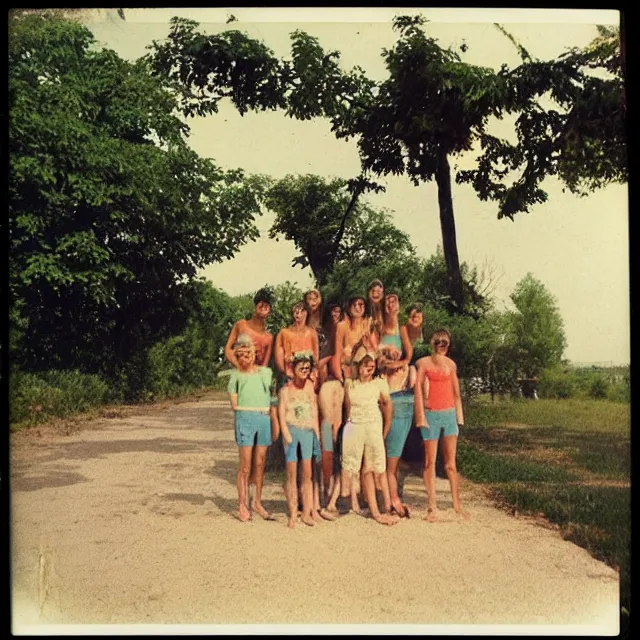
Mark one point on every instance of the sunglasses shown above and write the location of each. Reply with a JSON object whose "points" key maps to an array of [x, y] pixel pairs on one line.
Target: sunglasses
{"points": [[444, 343]]}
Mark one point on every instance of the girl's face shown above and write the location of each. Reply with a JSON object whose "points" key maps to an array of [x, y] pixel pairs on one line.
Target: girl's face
{"points": [[357, 309], [375, 293], [440, 344], [336, 314], [313, 299], [391, 304], [366, 368], [299, 315], [245, 358], [302, 370], [415, 319]]}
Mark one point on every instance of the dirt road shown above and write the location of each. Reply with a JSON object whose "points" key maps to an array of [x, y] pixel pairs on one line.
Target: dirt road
{"points": [[128, 520]]}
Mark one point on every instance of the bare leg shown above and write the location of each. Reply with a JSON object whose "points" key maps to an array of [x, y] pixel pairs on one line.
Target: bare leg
{"points": [[335, 494], [275, 423], [449, 446], [291, 492], [369, 490], [307, 494], [242, 481], [256, 505], [429, 477], [392, 480], [382, 480]]}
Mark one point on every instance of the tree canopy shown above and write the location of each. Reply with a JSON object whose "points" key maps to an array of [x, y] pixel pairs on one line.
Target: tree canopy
{"points": [[110, 212]]}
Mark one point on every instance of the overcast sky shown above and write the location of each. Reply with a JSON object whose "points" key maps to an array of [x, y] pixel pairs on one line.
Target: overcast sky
{"points": [[578, 247]]}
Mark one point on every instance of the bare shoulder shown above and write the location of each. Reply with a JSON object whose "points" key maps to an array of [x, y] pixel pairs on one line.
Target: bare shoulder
{"points": [[422, 363], [452, 365]]}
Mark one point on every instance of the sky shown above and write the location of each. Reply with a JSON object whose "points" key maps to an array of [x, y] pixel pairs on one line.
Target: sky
{"points": [[578, 247]]}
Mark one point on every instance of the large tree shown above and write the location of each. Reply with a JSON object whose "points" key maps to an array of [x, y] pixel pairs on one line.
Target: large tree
{"points": [[110, 212]]}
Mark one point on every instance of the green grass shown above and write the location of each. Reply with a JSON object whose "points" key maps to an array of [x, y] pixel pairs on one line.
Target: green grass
{"points": [[568, 460]]}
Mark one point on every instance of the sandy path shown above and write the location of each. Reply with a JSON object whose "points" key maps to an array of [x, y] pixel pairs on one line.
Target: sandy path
{"points": [[127, 520]]}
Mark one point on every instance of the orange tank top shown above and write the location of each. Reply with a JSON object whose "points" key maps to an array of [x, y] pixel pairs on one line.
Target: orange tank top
{"points": [[293, 342], [260, 342], [440, 390]]}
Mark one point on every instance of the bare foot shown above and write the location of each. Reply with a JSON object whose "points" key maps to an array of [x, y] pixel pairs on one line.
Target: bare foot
{"points": [[292, 523], [308, 520], [385, 518], [261, 511], [356, 510], [316, 516], [243, 514], [399, 508], [462, 515], [432, 515], [329, 514]]}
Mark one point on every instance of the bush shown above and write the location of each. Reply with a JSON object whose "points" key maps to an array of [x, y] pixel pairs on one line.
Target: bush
{"points": [[556, 383], [599, 387], [182, 363], [36, 398]]}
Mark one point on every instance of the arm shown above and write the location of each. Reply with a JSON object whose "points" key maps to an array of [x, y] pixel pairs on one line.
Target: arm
{"points": [[232, 389], [315, 345], [418, 395], [267, 354], [336, 360], [315, 412], [456, 393], [282, 414], [407, 351], [386, 405], [231, 340], [279, 352], [233, 397]]}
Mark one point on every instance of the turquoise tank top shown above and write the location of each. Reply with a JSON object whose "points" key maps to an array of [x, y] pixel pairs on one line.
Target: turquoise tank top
{"points": [[393, 339]]}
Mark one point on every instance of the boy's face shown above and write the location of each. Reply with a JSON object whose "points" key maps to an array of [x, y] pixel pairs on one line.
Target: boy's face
{"points": [[302, 370], [245, 358], [263, 309], [299, 315], [336, 313]]}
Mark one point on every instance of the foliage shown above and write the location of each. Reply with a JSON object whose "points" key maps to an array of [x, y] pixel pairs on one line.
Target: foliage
{"points": [[285, 295], [110, 212], [556, 383], [36, 398], [580, 137], [537, 332], [324, 220]]}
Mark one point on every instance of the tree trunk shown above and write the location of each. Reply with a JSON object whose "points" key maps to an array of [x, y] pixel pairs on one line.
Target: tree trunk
{"points": [[448, 227]]}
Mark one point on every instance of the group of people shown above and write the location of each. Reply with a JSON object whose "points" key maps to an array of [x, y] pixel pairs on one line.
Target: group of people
{"points": [[344, 394]]}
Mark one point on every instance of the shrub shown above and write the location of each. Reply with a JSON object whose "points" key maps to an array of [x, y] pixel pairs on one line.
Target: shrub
{"points": [[556, 383], [35, 398], [599, 387]]}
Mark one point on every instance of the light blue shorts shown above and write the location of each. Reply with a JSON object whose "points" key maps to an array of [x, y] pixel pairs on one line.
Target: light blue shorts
{"points": [[317, 450], [252, 427], [306, 438], [440, 421], [401, 423], [326, 432]]}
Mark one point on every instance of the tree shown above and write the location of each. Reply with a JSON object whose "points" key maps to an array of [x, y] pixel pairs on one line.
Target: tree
{"points": [[580, 137], [536, 333], [329, 226], [110, 212]]}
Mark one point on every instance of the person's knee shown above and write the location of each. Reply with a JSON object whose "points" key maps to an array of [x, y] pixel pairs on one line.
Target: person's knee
{"points": [[450, 466], [244, 469]]}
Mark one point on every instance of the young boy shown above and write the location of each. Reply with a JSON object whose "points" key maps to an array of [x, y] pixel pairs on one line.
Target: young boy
{"points": [[250, 395]]}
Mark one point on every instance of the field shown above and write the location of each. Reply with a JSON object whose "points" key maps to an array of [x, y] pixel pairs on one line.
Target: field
{"points": [[567, 461]]}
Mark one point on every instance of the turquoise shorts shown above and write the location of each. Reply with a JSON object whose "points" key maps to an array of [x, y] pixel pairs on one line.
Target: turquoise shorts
{"points": [[252, 427], [326, 433], [317, 450], [443, 421], [306, 438], [401, 423]]}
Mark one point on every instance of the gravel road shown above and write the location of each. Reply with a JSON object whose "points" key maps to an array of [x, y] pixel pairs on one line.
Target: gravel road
{"points": [[127, 519]]}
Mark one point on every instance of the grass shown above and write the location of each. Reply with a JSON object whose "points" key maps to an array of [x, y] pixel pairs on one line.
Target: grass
{"points": [[567, 460]]}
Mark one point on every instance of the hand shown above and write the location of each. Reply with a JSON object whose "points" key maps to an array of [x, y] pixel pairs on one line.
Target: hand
{"points": [[286, 436], [385, 434], [422, 426]]}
